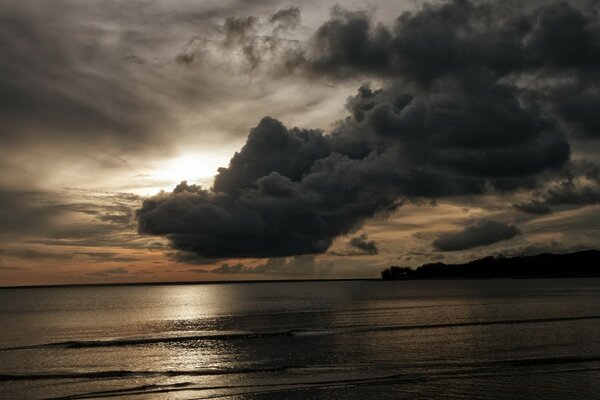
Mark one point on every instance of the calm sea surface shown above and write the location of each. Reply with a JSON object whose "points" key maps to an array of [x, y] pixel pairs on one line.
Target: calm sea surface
{"points": [[473, 339]]}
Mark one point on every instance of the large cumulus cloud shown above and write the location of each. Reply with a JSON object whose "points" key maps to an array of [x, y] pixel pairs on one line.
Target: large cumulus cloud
{"points": [[460, 112]]}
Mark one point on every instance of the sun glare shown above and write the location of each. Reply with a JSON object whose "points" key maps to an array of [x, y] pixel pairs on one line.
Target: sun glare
{"points": [[192, 167]]}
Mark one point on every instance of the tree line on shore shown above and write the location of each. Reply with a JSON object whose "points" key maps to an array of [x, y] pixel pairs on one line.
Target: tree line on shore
{"points": [[584, 263]]}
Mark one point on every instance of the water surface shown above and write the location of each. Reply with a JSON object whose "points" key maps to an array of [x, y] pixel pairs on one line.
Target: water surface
{"points": [[456, 339]]}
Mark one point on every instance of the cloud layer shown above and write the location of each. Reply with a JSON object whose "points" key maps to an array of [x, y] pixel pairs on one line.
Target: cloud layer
{"points": [[474, 101]]}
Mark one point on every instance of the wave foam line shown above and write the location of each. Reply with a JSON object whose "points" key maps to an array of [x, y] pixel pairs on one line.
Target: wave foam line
{"points": [[77, 344]]}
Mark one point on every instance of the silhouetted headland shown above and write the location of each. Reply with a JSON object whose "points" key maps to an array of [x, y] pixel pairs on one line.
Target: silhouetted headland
{"points": [[579, 264]]}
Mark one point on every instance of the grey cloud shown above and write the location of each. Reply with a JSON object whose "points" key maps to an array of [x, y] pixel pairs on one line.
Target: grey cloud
{"points": [[358, 246], [533, 207], [31, 254], [66, 218], [362, 243], [23, 212], [548, 246], [230, 269], [261, 42], [104, 255], [185, 58], [197, 271], [481, 233], [117, 209], [569, 194], [110, 272], [56, 85], [285, 19], [237, 29], [579, 185], [8, 268], [121, 239], [292, 266], [122, 218], [295, 266], [186, 257], [94, 82], [83, 230]]}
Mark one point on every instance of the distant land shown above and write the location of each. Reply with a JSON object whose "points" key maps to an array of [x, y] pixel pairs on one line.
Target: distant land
{"points": [[578, 264]]}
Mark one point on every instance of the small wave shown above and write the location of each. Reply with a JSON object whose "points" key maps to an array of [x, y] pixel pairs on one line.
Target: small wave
{"points": [[360, 329], [524, 362], [140, 374], [317, 368], [78, 344], [315, 384]]}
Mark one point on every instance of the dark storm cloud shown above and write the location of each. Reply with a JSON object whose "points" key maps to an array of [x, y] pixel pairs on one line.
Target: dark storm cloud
{"points": [[292, 191], [347, 44], [481, 233], [579, 105], [551, 53], [460, 113], [457, 38]]}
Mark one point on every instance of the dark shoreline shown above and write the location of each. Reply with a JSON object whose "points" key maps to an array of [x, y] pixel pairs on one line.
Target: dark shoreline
{"points": [[580, 264]]}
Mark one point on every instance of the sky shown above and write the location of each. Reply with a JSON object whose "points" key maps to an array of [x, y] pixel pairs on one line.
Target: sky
{"points": [[211, 140]]}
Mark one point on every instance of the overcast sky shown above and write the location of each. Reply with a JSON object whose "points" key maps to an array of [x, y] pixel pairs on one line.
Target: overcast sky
{"points": [[317, 139]]}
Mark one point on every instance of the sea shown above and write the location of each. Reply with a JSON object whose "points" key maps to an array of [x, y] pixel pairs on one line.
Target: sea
{"points": [[438, 339]]}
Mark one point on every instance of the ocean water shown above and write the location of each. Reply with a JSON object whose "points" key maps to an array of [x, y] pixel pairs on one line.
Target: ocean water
{"points": [[454, 339]]}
